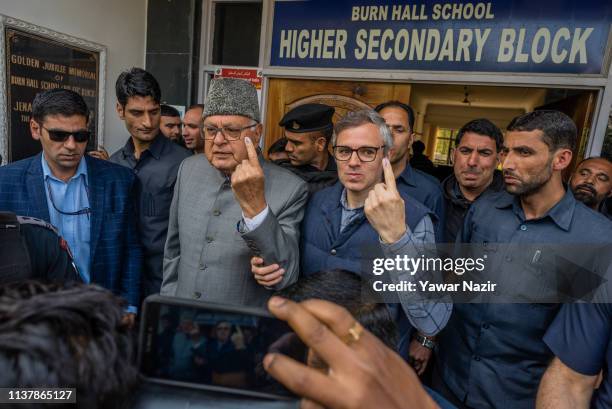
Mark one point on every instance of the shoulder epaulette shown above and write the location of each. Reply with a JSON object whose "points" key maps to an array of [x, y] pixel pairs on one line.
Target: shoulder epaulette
{"points": [[37, 222]]}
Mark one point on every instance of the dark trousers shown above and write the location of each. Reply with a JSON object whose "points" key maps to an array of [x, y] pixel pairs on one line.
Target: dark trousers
{"points": [[438, 385]]}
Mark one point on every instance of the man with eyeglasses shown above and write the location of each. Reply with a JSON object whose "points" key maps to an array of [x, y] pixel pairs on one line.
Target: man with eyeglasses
{"points": [[229, 205], [87, 199], [360, 218], [423, 187]]}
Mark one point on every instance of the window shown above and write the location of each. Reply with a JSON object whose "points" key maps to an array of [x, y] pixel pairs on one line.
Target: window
{"points": [[445, 141], [606, 150], [237, 32]]}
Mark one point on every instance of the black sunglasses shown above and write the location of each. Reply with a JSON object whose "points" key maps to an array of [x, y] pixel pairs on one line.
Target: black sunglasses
{"points": [[62, 136]]}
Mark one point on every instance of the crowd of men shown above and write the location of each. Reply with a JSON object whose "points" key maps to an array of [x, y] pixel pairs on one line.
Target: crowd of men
{"points": [[191, 208]]}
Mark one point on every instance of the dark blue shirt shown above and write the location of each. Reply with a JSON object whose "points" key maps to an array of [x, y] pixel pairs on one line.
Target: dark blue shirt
{"points": [[427, 190], [581, 337], [492, 355], [156, 171]]}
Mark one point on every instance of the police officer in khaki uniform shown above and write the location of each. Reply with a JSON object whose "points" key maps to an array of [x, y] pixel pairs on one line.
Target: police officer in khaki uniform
{"points": [[32, 249]]}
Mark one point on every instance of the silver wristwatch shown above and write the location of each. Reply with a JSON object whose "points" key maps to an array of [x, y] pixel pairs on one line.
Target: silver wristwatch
{"points": [[424, 341]]}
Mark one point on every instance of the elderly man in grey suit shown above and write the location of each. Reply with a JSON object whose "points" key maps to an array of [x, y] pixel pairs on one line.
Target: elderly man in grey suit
{"points": [[229, 205]]}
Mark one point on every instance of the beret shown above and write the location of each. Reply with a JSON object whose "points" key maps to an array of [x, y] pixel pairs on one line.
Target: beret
{"points": [[308, 118]]}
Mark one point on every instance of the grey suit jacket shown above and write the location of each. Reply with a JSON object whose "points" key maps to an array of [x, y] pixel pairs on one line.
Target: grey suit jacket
{"points": [[206, 257]]}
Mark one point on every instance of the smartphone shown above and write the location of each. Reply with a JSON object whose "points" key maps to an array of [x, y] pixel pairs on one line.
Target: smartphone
{"points": [[213, 346]]}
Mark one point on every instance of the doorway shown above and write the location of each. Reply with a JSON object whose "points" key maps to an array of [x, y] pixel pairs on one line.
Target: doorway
{"points": [[440, 109]]}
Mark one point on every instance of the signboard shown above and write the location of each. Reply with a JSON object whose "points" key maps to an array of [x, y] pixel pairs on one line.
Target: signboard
{"points": [[252, 75], [32, 63], [526, 36]]}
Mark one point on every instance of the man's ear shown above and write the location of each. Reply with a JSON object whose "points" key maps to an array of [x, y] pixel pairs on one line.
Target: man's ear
{"points": [[120, 111], [257, 134], [452, 156], [35, 129], [562, 159], [320, 143], [410, 140]]}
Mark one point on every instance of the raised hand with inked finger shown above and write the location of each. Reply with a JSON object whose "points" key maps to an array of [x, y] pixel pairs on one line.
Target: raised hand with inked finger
{"points": [[384, 207], [248, 183]]}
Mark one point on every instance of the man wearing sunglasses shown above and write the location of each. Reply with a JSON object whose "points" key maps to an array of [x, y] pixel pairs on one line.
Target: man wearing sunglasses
{"points": [[87, 199], [228, 205]]}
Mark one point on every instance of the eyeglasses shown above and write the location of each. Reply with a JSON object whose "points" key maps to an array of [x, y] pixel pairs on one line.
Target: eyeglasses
{"points": [[364, 153], [230, 133], [62, 136], [86, 210]]}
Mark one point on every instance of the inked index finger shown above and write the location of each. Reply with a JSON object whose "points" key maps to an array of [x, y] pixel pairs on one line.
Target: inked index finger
{"points": [[251, 151], [389, 176]]}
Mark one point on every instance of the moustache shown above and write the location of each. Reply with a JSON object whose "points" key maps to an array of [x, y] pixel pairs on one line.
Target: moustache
{"points": [[510, 173], [590, 188]]}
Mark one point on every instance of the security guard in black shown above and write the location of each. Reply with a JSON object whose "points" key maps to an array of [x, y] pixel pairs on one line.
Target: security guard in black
{"points": [[32, 249]]}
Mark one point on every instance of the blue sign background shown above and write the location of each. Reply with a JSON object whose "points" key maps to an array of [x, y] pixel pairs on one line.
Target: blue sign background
{"points": [[530, 15]]}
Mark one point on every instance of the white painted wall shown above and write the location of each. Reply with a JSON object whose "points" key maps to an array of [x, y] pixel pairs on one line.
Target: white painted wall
{"points": [[120, 25]]}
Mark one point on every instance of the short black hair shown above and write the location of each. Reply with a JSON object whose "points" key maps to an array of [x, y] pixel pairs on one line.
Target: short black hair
{"points": [[278, 146], [194, 106], [66, 336], [58, 101], [167, 110], [137, 82], [345, 289], [482, 127], [558, 129], [418, 147], [401, 105], [327, 134]]}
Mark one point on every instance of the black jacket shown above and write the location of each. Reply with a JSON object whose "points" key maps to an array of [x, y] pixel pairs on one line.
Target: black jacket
{"points": [[457, 205], [316, 179], [422, 163], [32, 249], [156, 172]]}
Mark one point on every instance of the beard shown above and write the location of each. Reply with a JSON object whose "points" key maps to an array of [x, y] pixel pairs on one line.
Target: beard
{"points": [[531, 185], [588, 196]]}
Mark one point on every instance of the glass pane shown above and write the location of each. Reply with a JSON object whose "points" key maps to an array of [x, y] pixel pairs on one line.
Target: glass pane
{"points": [[441, 151], [236, 37], [606, 150], [444, 142]]}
